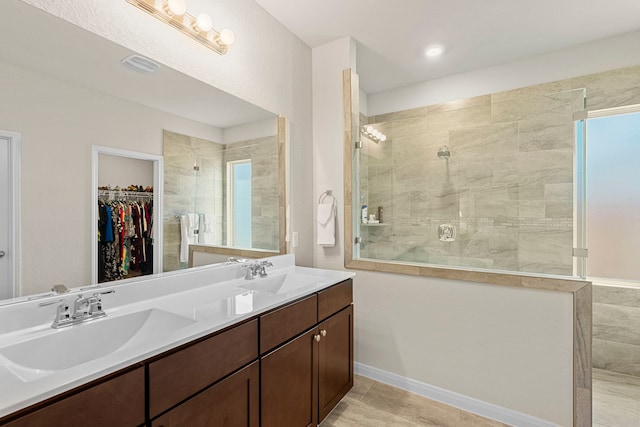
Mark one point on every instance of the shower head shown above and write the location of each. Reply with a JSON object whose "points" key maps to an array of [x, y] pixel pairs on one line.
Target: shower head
{"points": [[444, 153]]}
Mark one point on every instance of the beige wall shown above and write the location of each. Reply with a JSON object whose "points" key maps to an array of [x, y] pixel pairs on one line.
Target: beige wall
{"points": [[59, 123], [507, 346]]}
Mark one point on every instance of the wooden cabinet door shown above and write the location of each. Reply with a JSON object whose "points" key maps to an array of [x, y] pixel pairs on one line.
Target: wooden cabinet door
{"points": [[289, 387], [233, 402], [118, 401], [335, 367]]}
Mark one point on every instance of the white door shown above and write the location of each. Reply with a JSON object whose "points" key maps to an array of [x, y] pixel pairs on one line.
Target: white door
{"points": [[9, 197]]}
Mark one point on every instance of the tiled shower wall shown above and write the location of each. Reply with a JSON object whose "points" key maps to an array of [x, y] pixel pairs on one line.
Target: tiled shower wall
{"points": [[507, 187], [616, 329], [188, 191], [263, 153], [507, 184], [204, 191]]}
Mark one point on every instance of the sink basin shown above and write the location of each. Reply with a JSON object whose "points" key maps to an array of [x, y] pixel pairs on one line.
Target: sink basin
{"points": [[71, 346], [280, 284]]}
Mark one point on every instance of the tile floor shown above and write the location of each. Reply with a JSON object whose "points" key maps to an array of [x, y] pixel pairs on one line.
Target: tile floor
{"points": [[373, 404], [616, 399], [616, 403]]}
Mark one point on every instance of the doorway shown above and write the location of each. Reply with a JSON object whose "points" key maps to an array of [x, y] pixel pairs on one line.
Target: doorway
{"points": [[118, 161], [9, 214]]}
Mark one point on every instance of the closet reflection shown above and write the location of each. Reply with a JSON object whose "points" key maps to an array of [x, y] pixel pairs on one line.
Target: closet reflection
{"points": [[125, 230], [125, 214]]}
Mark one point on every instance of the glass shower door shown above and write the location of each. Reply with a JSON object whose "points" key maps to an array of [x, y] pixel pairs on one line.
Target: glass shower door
{"points": [[485, 183]]}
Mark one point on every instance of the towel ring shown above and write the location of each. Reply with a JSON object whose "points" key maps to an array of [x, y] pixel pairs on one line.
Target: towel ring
{"points": [[326, 194]]}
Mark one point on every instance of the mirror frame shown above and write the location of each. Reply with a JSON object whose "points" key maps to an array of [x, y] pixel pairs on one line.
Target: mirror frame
{"points": [[158, 188]]}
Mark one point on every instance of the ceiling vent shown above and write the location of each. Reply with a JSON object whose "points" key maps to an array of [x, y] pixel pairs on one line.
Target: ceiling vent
{"points": [[140, 64]]}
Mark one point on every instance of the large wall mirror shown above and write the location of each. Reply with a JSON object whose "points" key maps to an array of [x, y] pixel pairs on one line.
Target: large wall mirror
{"points": [[65, 91]]}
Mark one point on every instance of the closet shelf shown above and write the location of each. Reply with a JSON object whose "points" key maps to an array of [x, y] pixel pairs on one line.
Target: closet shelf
{"points": [[124, 194]]}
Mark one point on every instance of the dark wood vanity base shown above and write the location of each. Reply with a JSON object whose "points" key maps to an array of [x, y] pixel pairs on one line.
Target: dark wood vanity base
{"points": [[287, 367]]}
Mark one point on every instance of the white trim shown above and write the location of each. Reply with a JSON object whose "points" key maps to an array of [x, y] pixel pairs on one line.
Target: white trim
{"points": [[158, 190], [14, 250], [451, 398], [626, 109]]}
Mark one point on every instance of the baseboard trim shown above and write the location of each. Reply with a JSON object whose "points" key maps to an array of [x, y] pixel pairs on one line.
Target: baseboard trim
{"points": [[457, 400]]}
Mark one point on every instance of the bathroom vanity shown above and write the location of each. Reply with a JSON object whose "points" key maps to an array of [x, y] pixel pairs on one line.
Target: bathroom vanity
{"points": [[203, 347]]}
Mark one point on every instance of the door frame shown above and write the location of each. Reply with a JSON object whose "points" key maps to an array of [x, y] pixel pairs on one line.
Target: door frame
{"points": [[158, 182], [14, 140]]}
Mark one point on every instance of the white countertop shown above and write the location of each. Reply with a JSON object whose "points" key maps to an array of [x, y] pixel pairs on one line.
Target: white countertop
{"points": [[203, 300]]}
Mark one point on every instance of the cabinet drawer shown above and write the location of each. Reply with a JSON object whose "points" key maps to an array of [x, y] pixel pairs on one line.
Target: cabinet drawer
{"points": [[286, 322], [115, 402], [234, 401], [185, 372], [334, 299]]}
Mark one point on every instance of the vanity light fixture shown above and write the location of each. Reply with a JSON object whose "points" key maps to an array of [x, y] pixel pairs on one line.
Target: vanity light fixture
{"points": [[374, 134], [200, 28]]}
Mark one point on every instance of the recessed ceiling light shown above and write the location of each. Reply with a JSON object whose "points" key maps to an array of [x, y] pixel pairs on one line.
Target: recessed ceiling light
{"points": [[435, 50]]}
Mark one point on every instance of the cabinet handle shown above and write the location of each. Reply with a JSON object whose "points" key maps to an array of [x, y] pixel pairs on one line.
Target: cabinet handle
{"points": [[323, 332], [317, 338]]}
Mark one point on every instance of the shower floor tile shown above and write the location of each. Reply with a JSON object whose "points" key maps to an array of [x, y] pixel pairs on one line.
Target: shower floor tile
{"points": [[616, 399]]}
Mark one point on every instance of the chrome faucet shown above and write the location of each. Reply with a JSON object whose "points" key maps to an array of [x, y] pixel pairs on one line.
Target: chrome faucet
{"points": [[62, 313], [84, 309], [262, 271], [258, 268]]}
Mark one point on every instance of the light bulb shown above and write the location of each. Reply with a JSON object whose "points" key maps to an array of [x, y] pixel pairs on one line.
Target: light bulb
{"points": [[370, 130], [177, 7], [227, 37], [204, 22], [383, 138]]}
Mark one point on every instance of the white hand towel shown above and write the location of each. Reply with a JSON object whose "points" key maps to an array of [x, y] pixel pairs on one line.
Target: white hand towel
{"points": [[194, 223], [205, 231], [184, 238], [326, 219]]}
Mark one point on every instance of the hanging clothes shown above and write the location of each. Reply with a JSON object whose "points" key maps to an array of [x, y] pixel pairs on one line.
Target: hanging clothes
{"points": [[124, 237]]}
